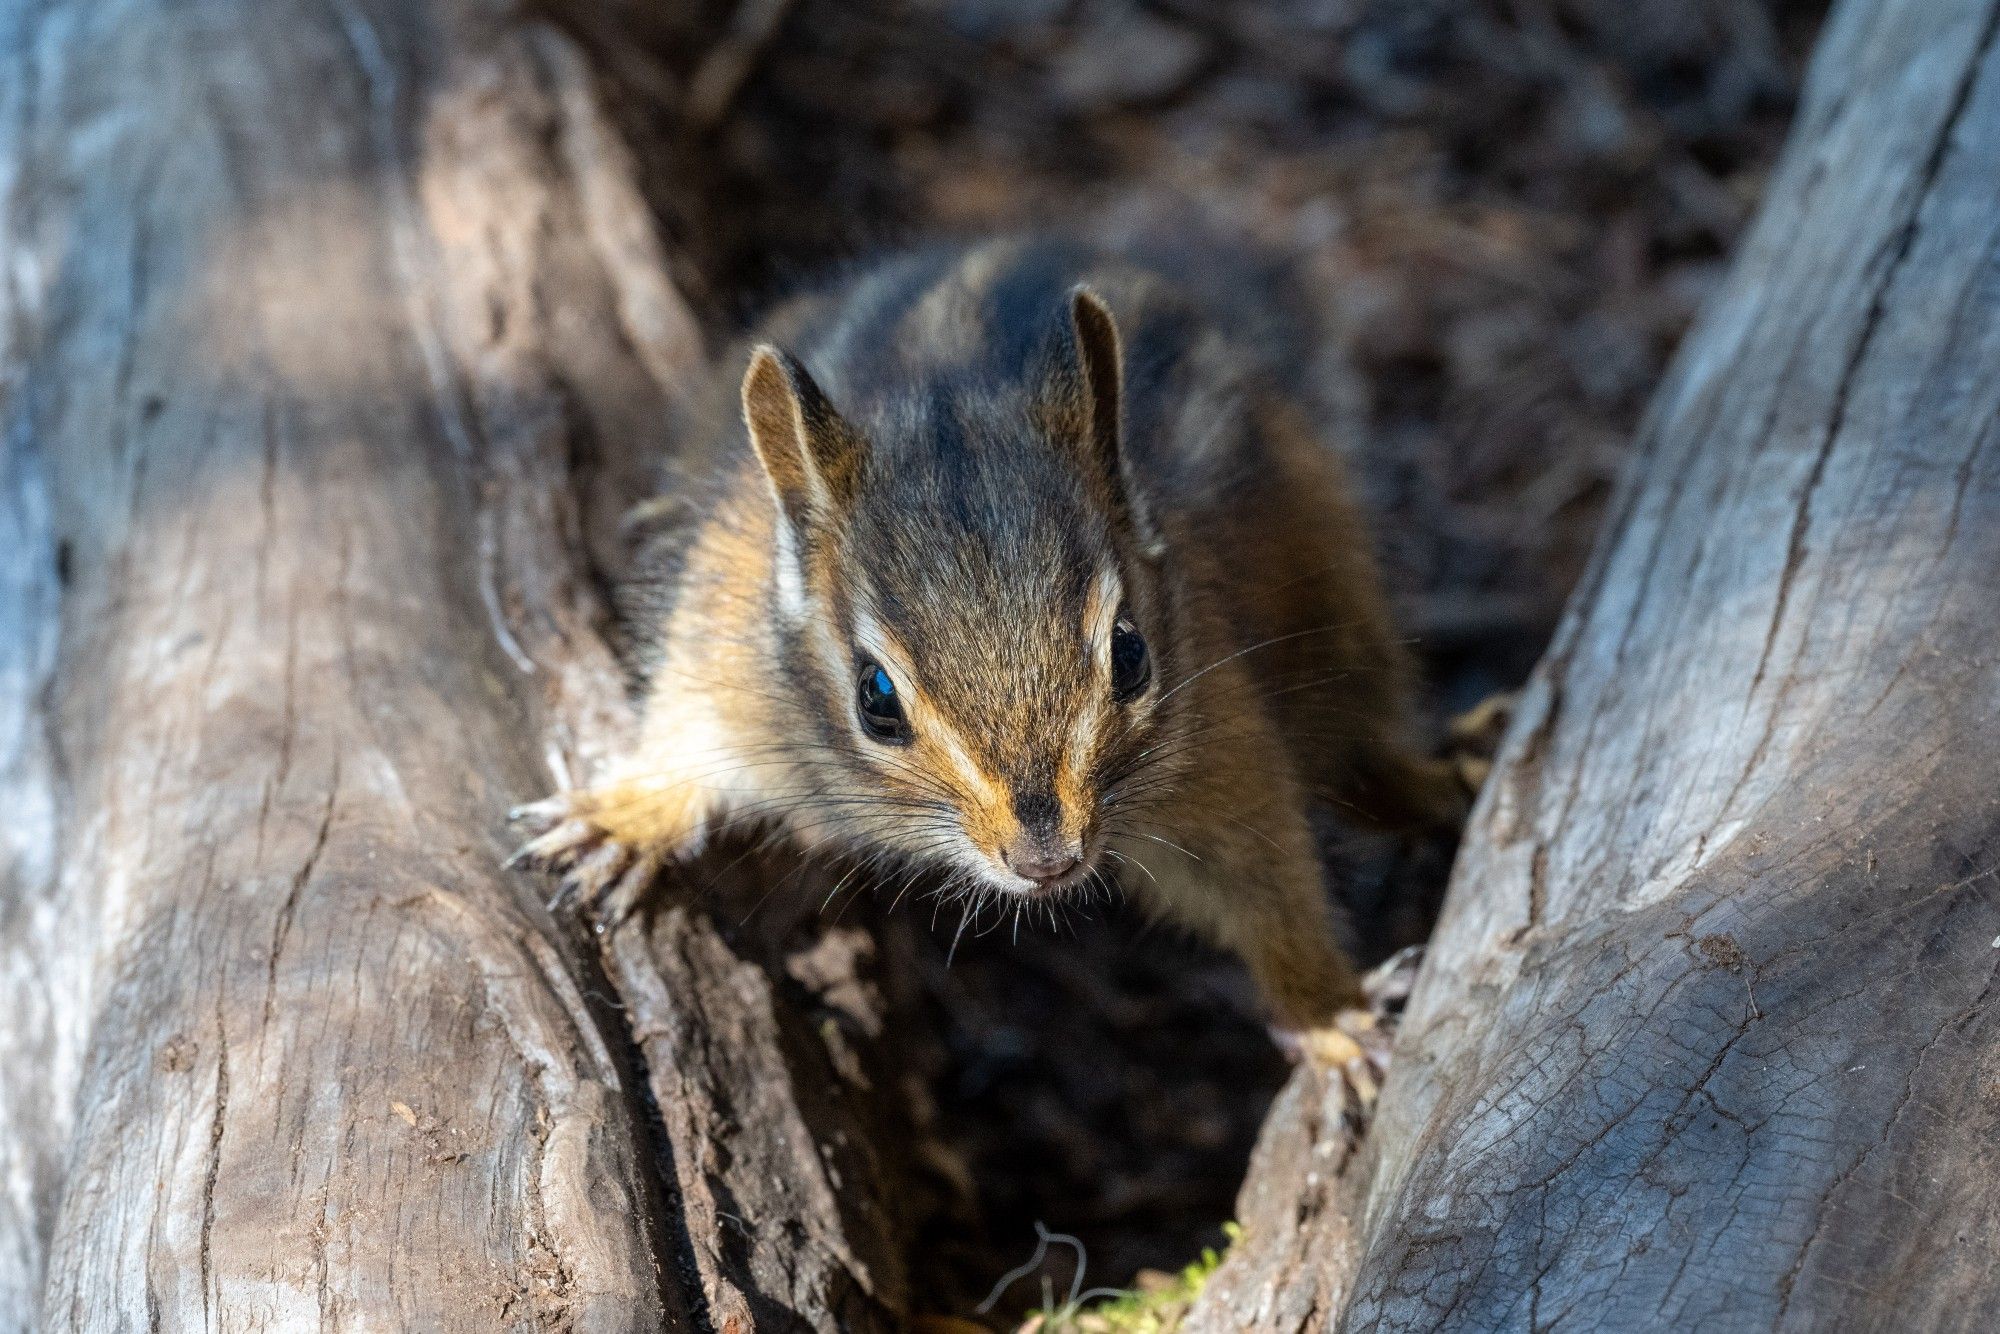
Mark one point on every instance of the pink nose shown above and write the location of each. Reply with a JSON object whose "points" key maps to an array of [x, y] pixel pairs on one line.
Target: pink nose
{"points": [[1039, 865]]}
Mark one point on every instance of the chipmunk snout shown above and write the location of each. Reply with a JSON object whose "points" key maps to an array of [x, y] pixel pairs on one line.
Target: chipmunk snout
{"points": [[1042, 851]]}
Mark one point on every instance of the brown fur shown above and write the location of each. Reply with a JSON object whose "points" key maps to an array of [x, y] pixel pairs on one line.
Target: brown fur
{"points": [[955, 463]]}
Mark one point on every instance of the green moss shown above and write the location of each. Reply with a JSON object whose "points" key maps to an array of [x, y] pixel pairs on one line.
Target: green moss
{"points": [[1153, 1307]]}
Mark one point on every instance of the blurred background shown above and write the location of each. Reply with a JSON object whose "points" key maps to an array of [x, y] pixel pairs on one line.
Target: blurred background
{"points": [[1476, 229]]}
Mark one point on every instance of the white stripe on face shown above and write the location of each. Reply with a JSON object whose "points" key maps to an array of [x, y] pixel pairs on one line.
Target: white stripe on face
{"points": [[875, 641], [1102, 605], [1100, 612], [1082, 748]]}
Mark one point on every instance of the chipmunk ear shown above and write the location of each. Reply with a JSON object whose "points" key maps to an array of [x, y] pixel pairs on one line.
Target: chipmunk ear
{"points": [[812, 457], [1101, 363]]}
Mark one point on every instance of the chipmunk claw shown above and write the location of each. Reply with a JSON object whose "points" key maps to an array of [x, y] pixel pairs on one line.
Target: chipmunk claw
{"points": [[1353, 1046], [596, 872], [614, 881], [1475, 737], [542, 815], [593, 875], [1356, 1045], [558, 847], [1352, 1038]]}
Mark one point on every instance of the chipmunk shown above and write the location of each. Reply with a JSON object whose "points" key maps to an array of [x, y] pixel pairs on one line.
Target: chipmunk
{"points": [[1014, 566]]}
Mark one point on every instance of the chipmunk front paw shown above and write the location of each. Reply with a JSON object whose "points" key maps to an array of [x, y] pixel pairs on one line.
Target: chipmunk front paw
{"points": [[1475, 737], [594, 869], [1352, 1037], [1357, 1044], [1353, 1046]]}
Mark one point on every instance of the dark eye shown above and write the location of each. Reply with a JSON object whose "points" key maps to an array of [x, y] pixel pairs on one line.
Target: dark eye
{"points": [[1131, 665], [881, 710]]}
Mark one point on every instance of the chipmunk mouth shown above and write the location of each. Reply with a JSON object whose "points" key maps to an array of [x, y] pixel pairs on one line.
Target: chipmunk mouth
{"points": [[1047, 880], [1049, 887], [1032, 870]]}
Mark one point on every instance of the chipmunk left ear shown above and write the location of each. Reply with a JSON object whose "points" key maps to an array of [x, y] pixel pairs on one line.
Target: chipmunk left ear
{"points": [[813, 458], [1101, 362]]}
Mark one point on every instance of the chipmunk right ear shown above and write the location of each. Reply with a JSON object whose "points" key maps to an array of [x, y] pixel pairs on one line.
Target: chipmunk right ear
{"points": [[812, 457], [1100, 359]]}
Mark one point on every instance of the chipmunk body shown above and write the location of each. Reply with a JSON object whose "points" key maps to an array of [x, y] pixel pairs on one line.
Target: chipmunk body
{"points": [[1015, 567]]}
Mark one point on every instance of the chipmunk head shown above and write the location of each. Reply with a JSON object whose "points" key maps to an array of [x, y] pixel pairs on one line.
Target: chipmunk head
{"points": [[966, 581]]}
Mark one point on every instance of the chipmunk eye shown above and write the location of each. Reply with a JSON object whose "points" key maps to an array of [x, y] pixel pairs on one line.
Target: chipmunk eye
{"points": [[880, 708], [1131, 664]]}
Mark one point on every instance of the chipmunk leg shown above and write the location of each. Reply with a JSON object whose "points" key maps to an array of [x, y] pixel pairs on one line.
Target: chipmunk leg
{"points": [[1387, 783], [1245, 874], [609, 842]]}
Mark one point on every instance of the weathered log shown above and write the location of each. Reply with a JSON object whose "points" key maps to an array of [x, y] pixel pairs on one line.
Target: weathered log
{"points": [[39, 1041], [1705, 1038], [319, 317]]}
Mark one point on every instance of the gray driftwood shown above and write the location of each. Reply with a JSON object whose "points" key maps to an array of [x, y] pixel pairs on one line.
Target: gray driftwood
{"points": [[315, 319], [1707, 1037]]}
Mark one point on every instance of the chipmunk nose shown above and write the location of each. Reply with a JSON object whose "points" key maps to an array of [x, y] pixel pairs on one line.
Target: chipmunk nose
{"points": [[1031, 861], [1041, 852]]}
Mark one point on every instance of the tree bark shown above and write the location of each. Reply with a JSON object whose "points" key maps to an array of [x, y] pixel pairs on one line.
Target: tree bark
{"points": [[1706, 1036], [318, 319], [38, 1042]]}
